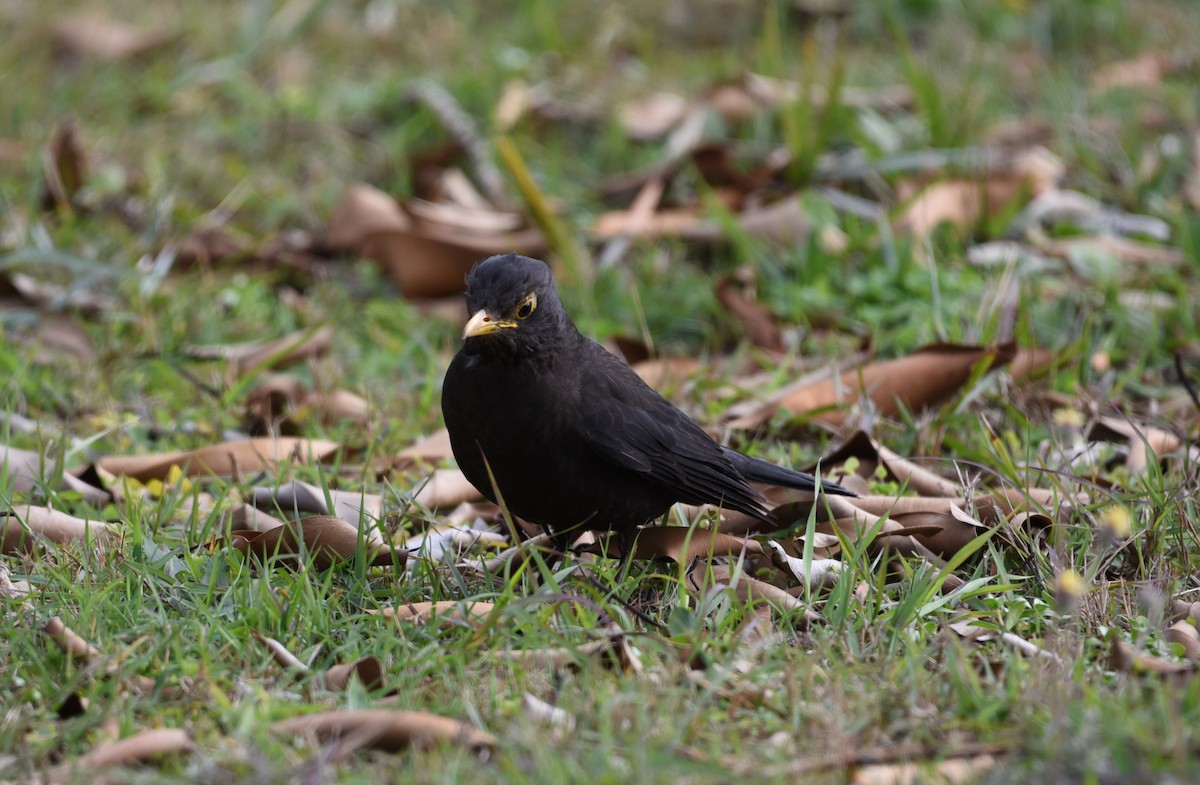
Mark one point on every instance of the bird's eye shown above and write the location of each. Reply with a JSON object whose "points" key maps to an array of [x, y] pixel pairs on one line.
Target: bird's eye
{"points": [[526, 308]]}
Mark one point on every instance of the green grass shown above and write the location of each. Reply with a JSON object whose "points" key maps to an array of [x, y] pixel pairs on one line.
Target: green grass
{"points": [[266, 112]]}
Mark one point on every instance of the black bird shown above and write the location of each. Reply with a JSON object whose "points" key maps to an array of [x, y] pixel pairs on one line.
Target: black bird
{"points": [[569, 434]]}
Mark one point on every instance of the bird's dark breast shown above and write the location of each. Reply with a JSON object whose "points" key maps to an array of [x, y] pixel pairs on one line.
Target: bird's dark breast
{"points": [[500, 418]]}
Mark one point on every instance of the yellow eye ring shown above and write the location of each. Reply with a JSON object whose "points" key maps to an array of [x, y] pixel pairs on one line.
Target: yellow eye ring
{"points": [[527, 307]]}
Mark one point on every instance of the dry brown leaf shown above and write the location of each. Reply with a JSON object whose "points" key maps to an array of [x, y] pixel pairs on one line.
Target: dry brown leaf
{"points": [[298, 497], [334, 405], [98, 36], [925, 378], [1029, 362], [364, 211], [613, 650], [328, 541], [447, 488], [1180, 610], [64, 166], [964, 202], [22, 527], [429, 248], [758, 322], [282, 655], [431, 449], [208, 247], [1146, 70], [870, 454], [945, 772], [139, 748], [29, 471], [227, 458], [653, 116], [666, 373], [443, 613], [72, 644], [1185, 634], [1127, 659], [748, 589], [1143, 441], [59, 336], [368, 670], [383, 729], [680, 544]]}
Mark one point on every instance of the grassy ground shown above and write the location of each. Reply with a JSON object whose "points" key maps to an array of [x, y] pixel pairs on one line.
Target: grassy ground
{"points": [[263, 114]]}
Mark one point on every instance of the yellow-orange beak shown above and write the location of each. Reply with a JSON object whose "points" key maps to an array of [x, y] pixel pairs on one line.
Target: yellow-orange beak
{"points": [[483, 323]]}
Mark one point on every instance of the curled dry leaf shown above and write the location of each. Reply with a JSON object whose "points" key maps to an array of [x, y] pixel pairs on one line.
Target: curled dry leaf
{"points": [[431, 449], [383, 729], [1146, 70], [429, 249], [1127, 659], [1120, 248], [561, 720], [368, 670], [666, 373], [139, 748], [447, 488], [964, 202], [612, 650], [758, 322], [281, 654], [748, 589], [443, 613], [225, 459], [98, 36], [298, 497], [823, 572], [1145, 442], [971, 632], [923, 379], [1185, 634], [24, 526], [871, 454], [64, 166], [682, 544], [328, 540], [72, 644], [945, 772]]}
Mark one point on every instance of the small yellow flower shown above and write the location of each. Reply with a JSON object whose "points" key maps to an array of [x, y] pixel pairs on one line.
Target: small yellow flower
{"points": [[1069, 417], [1069, 585], [1116, 522]]}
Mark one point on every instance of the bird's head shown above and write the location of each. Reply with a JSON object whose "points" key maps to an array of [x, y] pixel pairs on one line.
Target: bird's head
{"points": [[513, 305]]}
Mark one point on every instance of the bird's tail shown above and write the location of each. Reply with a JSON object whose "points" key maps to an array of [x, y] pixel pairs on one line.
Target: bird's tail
{"points": [[756, 470]]}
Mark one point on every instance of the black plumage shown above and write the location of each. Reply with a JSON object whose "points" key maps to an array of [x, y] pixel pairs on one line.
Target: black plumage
{"points": [[571, 437]]}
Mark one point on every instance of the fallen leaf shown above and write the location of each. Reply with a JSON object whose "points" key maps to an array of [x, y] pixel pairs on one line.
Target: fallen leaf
{"points": [[653, 116], [98, 36], [870, 454], [364, 211], [442, 613], [431, 449], [208, 247], [60, 336], [821, 572], [298, 497], [1146, 70], [682, 544], [139, 748], [561, 721], [64, 166], [1127, 659], [387, 730], [925, 378], [613, 650], [24, 525], [666, 373], [327, 540], [225, 459], [1120, 248], [447, 488], [1185, 634], [1145, 442], [760, 325], [72, 644], [944, 772], [367, 670], [748, 589]]}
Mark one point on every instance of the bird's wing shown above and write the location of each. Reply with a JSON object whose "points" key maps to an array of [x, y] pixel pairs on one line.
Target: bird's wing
{"points": [[637, 429]]}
